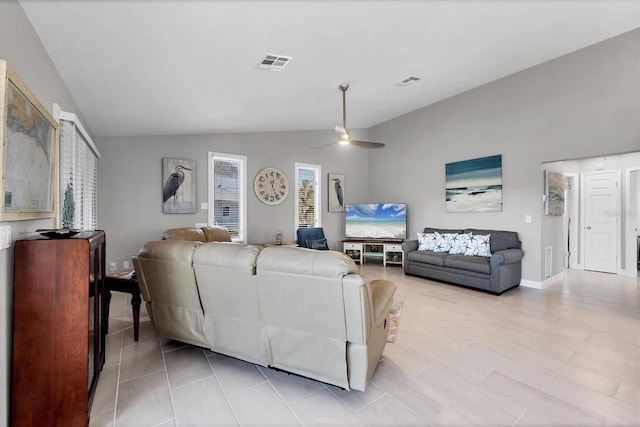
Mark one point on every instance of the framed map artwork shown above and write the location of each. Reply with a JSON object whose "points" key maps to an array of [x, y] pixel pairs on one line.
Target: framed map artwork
{"points": [[28, 158]]}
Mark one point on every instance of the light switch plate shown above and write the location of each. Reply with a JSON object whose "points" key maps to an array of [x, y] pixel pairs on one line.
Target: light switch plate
{"points": [[5, 237]]}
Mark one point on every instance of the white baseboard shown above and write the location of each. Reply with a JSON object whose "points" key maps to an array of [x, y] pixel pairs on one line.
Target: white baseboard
{"points": [[541, 285], [628, 273], [531, 284]]}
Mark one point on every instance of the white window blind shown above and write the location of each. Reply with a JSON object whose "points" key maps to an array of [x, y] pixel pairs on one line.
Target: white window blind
{"points": [[78, 200], [307, 202], [227, 194]]}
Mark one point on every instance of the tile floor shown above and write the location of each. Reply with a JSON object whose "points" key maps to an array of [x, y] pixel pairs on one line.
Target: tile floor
{"points": [[567, 355]]}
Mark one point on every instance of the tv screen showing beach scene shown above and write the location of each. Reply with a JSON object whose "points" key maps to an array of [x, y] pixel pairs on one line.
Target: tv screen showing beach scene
{"points": [[376, 221]]}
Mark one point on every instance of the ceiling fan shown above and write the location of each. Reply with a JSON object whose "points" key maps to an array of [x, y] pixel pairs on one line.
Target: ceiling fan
{"points": [[343, 134]]}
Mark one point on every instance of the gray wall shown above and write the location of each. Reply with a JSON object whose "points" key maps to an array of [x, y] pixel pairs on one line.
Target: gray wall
{"points": [[583, 104], [130, 183], [21, 48]]}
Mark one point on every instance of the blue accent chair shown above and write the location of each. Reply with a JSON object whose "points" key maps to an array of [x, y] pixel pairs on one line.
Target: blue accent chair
{"points": [[312, 238]]}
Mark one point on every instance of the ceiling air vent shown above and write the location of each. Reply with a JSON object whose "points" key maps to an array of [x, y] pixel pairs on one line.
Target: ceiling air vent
{"points": [[409, 80], [274, 62]]}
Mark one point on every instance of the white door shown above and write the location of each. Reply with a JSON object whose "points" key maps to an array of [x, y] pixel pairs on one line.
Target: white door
{"points": [[600, 213]]}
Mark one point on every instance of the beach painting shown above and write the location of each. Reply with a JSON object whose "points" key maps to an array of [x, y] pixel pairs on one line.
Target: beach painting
{"points": [[474, 185], [554, 200]]}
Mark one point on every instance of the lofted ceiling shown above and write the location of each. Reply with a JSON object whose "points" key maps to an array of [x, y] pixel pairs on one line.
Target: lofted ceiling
{"points": [[154, 67]]}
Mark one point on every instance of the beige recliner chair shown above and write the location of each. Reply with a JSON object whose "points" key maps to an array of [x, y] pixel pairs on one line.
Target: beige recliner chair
{"points": [[295, 309], [322, 320]]}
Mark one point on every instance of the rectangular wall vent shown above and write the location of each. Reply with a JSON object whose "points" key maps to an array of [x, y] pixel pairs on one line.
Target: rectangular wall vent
{"points": [[273, 62], [409, 80], [548, 261]]}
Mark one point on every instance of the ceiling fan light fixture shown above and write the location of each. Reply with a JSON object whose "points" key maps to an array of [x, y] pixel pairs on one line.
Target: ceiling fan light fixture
{"points": [[343, 135]]}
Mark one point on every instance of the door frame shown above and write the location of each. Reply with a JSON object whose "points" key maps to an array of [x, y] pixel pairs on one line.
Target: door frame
{"points": [[618, 210], [571, 223], [630, 270]]}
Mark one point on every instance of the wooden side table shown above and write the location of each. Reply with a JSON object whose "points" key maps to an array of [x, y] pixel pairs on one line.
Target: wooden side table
{"points": [[124, 281]]}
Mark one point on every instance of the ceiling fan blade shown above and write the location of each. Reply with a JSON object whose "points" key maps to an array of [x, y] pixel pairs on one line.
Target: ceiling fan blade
{"points": [[324, 145], [366, 144]]}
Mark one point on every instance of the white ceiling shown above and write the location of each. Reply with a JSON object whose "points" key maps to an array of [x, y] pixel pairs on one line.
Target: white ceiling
{"points": [[152, 67]]}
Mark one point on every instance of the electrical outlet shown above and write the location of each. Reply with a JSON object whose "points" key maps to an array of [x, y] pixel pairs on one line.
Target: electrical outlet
{"points": [[125, 265], [113, 266]]}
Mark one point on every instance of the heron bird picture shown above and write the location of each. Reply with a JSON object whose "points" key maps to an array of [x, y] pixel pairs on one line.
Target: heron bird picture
{"points": [[338, 189], [173, 183]]}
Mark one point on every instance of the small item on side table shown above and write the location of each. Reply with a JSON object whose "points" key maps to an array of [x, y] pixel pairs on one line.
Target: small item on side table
{"points": [[125, 281]]}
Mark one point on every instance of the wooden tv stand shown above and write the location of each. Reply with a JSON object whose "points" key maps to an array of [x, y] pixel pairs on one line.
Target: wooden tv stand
{"points": [[390, 252]]}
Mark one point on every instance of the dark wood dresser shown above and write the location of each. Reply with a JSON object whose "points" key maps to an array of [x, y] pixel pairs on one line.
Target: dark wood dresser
{"points": [[58, 331]]}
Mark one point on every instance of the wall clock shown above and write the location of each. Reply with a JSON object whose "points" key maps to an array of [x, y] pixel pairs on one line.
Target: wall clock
{"points": [[271, 186]]}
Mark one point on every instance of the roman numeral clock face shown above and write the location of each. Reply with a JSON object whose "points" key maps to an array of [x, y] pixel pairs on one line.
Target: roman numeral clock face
{"points": [[271, 186]]}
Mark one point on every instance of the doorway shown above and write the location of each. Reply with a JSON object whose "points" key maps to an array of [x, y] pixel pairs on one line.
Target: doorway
{"points": [[624, 257]]}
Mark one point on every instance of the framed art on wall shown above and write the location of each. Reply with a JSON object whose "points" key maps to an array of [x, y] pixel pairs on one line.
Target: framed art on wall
{"points": [[29, 154], [474, 185], [554, 193], [179, 185], [336, 192]]}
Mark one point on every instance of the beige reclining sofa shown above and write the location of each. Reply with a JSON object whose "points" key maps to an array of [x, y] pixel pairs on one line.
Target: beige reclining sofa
{"points": [[198, 234], [295, 309]]}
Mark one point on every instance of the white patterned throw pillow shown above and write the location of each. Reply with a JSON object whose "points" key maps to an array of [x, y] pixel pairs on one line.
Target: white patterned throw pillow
{"points": [[443, 242], [479, 245], [459, 243], [426, 241]]}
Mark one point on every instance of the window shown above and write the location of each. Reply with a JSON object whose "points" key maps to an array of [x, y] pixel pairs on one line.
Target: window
{"points": [[227, 193], [307, 195], [78, 174]]}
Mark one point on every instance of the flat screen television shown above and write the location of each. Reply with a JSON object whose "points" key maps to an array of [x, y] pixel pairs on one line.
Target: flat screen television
{"points": [[376, 221]]}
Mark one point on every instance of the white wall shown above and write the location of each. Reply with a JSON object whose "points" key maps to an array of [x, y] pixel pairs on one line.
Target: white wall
{"points": [[21, 48], [130, 183], [580, 105]]}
